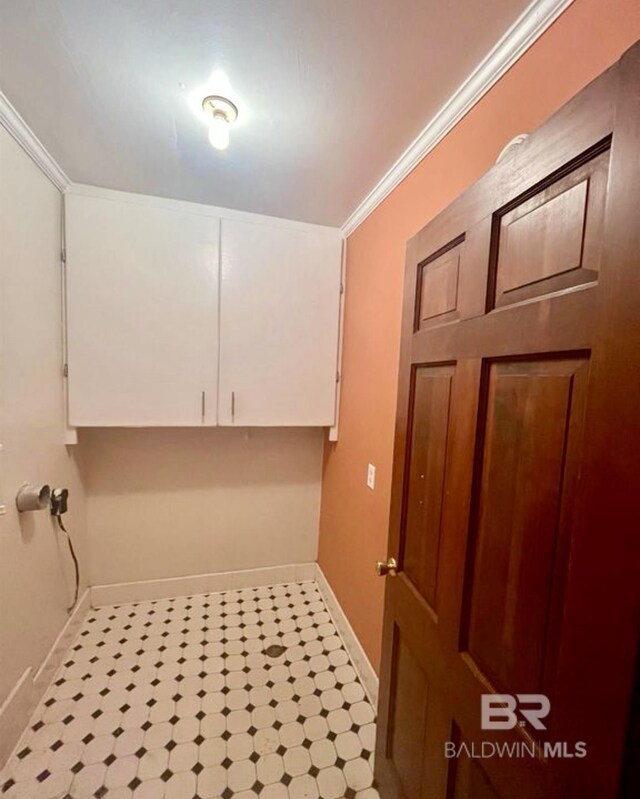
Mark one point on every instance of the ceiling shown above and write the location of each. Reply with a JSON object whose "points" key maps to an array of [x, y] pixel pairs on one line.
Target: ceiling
{"points": [[330, 92]]}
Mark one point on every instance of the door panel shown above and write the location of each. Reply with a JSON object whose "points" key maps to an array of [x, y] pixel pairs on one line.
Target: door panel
{"points": [[431, 403], [519, 359], [553, 239], [408, 717], [532, 415], [466, 778], [438, 282]]}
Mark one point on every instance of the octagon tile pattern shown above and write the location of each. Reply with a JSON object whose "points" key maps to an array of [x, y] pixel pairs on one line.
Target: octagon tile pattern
{"points": [[180, 699]]}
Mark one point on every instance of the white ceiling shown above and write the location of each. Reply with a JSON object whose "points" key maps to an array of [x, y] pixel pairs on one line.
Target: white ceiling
{"points": [[330, 91]]}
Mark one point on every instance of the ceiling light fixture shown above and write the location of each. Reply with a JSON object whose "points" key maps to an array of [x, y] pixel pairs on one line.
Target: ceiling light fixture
{"points": [[223, 113]]}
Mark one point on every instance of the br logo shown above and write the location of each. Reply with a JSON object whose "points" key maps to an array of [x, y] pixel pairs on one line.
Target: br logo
{"points": [[499, 710]]}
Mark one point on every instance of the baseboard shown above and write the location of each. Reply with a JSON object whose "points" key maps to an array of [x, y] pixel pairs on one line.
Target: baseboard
{"points": [[120, 593], [361, 662], [19, 706]]}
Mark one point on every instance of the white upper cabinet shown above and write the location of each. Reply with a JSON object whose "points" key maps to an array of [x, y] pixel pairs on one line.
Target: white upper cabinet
{"points": [[279, 318], [179, 314], [142, 304]]}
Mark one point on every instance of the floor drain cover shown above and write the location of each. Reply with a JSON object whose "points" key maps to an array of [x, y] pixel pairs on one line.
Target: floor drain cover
{"points": [[274, 651]]}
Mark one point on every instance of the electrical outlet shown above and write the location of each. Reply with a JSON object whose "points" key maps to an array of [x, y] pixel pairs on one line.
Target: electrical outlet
{"points": [[371, 476]]}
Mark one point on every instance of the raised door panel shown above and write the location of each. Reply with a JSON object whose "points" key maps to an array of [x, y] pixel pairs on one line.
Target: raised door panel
{"points": [[142, 305], [524, 486], [431, 401], [279, 316], [466, 778], [551, 238]]}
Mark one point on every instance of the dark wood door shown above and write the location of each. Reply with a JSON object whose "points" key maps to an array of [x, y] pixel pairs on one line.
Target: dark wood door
{"points": [[517, 470]]}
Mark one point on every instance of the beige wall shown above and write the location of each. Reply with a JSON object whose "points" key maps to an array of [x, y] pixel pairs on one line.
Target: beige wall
{"points": [[36, 577], [172, 502]]}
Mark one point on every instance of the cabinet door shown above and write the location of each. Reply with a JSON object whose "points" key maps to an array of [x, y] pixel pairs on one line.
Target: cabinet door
{"points": [[142, 314], [279, 313]]}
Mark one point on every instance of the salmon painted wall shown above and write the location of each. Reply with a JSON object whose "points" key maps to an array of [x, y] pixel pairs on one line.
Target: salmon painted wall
{"points": [[585, 40]]}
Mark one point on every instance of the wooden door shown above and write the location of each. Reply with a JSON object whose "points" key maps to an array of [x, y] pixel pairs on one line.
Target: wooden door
{"points": [[279, 322], [517, 469]]}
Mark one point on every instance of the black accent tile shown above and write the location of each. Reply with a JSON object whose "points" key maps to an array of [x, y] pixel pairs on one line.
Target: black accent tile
{"points": [[141, 752], [43, 775], [56, 745], [166, 775], [254, 757], [88, 738], [77, 767], [100, 792], [226, 763], [197, 768], [26, 751], [314, 771], [171, 745], [134, 783]]}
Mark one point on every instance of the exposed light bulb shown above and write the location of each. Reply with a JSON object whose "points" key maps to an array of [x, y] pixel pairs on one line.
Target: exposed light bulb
{"points": [[219, 132]]}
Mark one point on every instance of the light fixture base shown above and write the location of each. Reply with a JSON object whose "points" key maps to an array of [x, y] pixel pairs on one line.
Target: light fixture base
{"points": [[214, 105]]}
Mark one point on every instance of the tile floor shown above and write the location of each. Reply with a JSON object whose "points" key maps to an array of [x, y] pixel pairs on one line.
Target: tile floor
{"points": [[178, 699]]}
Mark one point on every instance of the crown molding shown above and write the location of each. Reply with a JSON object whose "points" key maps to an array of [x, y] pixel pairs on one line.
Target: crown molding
{"points": [[519, 37], [11, 120]]}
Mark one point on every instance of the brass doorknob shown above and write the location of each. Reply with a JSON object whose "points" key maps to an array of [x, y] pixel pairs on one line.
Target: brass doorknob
{"points": [[390, 567]]}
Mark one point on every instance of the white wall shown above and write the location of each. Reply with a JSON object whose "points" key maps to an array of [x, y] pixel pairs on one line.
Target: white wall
{"points": [[36, 576], [171, 502]]}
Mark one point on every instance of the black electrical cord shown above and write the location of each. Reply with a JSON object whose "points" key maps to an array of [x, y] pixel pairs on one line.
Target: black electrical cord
{"points": [[75, 560]]}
